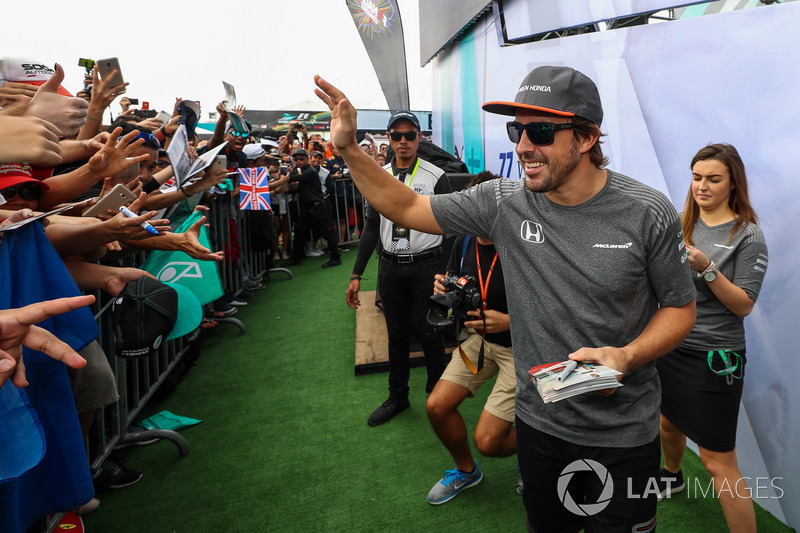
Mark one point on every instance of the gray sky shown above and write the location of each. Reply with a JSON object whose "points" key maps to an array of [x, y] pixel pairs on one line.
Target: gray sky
{"points": [[269, 50]]}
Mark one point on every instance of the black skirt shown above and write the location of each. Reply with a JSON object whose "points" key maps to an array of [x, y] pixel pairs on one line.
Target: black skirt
{"points": [[702, 404]]}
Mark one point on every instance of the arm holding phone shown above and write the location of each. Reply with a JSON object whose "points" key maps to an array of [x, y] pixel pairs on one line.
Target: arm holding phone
{"points": [[103, 93]]}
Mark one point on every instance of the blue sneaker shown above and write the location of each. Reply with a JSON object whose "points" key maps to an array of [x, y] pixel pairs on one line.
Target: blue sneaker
{"points": [[453, 482]]}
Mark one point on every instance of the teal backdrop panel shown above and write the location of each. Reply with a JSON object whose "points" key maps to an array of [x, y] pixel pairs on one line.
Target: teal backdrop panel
{"points": [[471, 107]]}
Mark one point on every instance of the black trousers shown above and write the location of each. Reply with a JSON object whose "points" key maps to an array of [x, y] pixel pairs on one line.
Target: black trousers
{"points": [[316, 216], [405, 290]]}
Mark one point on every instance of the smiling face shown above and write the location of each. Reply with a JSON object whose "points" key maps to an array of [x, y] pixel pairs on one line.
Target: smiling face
{"points": [[547, 167], [711, 185]]}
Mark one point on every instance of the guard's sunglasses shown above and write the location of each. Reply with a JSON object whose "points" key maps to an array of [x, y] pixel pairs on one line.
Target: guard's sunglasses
{"points": [[539, 133], [398, 135]]}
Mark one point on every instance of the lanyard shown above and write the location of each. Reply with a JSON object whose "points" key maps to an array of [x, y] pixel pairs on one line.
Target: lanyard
{"points": [[484, 294], [484, 288], [416, 166]]}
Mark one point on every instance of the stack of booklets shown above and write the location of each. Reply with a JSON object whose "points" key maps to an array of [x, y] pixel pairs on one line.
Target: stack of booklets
{"points": [[586, 377]]}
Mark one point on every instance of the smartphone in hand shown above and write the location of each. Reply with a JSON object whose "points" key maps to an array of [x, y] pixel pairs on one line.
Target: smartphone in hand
{"points": [[105, 66], [119, 195]]}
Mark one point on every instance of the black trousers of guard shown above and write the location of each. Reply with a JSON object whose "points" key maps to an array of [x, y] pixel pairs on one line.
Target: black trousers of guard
{"points": [[405, 289], [316, 216]]}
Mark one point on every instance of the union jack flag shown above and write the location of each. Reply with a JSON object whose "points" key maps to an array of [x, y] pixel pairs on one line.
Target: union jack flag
{"points": [[254, 189]]}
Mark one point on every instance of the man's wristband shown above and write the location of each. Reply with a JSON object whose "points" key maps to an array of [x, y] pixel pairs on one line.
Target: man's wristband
{"points": [[354, 277], [164, 133], [184, 192]]}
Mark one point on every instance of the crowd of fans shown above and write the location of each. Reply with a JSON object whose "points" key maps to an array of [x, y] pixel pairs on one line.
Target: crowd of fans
{"points": [[57, 155]]}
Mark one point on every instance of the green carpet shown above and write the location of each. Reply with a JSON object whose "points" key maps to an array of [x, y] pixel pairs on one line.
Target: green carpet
{"points": [[284, 445]]}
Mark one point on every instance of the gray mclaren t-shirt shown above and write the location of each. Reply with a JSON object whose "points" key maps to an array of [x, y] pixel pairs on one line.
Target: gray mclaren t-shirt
{"points": [[590, 275], [743, 260]]}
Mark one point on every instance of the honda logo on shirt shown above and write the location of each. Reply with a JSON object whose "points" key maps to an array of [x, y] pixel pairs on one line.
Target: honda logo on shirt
{"points": [[531, 231]]}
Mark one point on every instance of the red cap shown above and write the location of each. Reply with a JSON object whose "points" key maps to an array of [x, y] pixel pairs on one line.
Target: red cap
{"points": [[15, 173]]}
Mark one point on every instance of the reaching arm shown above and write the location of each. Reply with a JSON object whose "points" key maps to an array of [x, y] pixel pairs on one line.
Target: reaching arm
{"points": [[92, 276], [219, 129], [187, 241], [210, 178], [387, 195], [103, 93], [112, 158]]}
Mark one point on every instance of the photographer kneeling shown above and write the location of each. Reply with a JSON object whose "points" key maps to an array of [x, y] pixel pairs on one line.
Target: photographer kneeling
{"points": [[477, 297]]}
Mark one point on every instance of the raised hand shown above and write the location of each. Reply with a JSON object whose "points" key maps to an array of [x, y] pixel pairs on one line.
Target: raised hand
{"points": [[343, 115], [115, 155], [67, 113]]}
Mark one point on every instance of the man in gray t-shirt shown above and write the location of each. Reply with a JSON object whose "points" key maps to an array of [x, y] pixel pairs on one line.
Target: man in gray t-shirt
{"points": [[594, 271]]}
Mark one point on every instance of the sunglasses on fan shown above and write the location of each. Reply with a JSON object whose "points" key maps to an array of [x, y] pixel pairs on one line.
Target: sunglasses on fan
{"points": [[27, 191]]}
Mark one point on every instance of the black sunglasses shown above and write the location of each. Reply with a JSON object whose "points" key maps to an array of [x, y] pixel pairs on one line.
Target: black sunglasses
{"points": [[28, 191], [539, 133], [397, 135], [239, 134]]}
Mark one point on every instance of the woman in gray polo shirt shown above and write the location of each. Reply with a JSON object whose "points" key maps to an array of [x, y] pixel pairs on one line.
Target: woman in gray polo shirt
{"points": [[702, 379]]}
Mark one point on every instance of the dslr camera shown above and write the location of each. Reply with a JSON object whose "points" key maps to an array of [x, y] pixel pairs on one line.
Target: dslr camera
{"points": [[463, 295]]}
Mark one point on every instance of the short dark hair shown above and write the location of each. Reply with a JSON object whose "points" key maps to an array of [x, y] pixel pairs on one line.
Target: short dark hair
{"points": [[486, 175], [585, 128]]}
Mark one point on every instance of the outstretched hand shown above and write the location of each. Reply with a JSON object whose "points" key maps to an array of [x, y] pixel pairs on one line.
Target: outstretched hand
{"points": [[190, 243], [343, 115], [17, 330], [116, 154]]}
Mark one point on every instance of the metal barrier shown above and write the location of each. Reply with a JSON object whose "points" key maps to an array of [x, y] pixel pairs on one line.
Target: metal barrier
{"points": [[230, 230], [347, 211]]}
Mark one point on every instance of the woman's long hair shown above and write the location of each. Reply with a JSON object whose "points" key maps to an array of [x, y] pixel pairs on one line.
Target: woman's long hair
{"points": [[739, 200]]}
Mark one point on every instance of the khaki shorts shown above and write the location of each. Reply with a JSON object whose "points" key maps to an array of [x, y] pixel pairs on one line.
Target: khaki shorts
{"points": [[498, 360]]}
